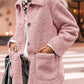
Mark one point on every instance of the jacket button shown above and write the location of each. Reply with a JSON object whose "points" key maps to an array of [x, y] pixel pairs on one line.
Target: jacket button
{"points": [[28, 43], [29, 24], [30, 4]]}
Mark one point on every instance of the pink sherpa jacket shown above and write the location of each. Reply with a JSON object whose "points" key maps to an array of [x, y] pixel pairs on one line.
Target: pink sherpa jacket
{"points": [[50, 23]]}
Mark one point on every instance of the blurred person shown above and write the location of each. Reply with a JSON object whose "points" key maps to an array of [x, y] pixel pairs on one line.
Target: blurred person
{"points": [[45, 29]]}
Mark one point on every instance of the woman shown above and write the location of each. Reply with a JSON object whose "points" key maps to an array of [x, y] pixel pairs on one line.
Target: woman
{"points": [[51, 30]]}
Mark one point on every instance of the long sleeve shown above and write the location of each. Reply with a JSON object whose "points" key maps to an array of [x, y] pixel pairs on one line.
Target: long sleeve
{"points": [[67, 26], [12, 39], [19, 35]]}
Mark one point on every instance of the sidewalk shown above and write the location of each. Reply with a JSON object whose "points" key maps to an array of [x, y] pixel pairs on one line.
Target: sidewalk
{"points": [[73, 61]]}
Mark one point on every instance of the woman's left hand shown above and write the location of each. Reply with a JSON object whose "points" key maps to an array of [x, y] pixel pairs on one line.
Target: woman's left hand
{"points": [[45, 49]]}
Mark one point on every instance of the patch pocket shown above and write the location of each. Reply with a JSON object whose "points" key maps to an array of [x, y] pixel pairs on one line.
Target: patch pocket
{"points": [[46, 66]]}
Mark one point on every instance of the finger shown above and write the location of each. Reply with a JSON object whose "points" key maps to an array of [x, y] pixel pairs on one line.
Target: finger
{"points": [[45, 51], [11, 48], [15, 48], [40, 50], [49, 50]]}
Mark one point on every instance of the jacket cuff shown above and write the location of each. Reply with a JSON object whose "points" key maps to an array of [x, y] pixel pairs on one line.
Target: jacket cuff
{"points": [[10, 41], [52, 48], [59, 45]]}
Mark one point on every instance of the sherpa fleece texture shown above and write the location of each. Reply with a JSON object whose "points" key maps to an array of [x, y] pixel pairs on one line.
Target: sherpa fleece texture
{"points": [[51, 23]]}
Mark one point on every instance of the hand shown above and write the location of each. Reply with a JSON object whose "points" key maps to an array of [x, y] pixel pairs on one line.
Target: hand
{"points": [[45, 49], [13, 47]]}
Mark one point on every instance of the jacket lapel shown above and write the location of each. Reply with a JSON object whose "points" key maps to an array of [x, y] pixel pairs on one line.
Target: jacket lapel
{"points": [[18, 4]]}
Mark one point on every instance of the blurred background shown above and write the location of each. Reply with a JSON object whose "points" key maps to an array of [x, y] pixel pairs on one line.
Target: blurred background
{"points": [[73, 59]]}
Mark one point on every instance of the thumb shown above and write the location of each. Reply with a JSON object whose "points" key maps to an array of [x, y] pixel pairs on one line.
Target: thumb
{"points": [[40, 50]]}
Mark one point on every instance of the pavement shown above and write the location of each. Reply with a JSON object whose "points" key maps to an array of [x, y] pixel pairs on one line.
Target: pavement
{"points": [[73, 61]]}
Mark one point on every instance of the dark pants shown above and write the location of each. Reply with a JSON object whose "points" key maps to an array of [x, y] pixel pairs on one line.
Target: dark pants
{"points": [[25, 72]]}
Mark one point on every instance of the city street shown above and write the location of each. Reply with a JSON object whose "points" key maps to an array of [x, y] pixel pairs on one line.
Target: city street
{"points": [[73, 61]]}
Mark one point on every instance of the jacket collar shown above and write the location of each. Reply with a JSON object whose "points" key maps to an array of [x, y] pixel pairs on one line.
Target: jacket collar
{"points": [[35, 2], [39, 2]]}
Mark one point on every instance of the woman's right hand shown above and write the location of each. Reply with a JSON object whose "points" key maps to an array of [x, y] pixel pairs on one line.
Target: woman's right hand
{"points": [[13, 46]]}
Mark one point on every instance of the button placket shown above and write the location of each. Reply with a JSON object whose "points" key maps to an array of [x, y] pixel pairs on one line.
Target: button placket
{"points": [[28, 21]]}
